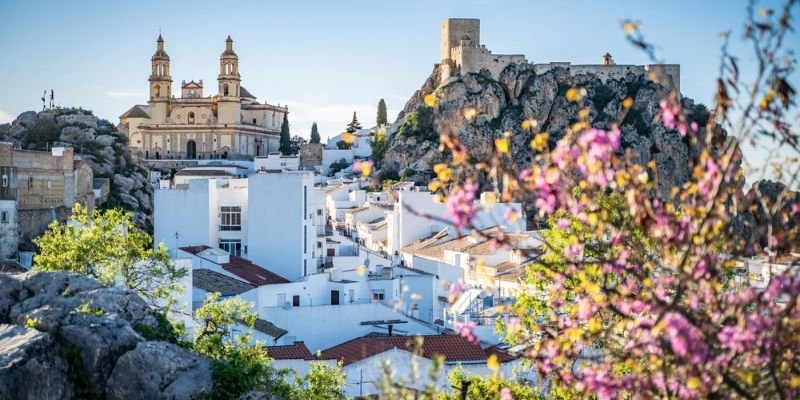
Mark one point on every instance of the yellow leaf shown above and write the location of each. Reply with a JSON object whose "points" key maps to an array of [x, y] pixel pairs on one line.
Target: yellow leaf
{"points": [[366, 168], [361, 270], [492, 363], [490, 198], [529, 123], [470, 113], [348, 137], [693, 383], [539, 141], [575, 94], [628, 27], [502, 145], [434, 185], [627, 103], [431, 100], [794, 382], [594, 325]]}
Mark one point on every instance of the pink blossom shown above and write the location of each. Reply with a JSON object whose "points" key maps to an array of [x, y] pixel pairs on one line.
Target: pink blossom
{"points": [[461, 207], [573, 251], [466, 329], [505, 394]]}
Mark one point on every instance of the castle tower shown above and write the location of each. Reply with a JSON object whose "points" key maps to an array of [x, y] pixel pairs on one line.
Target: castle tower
{"points": [[454, 30], [229, 105], [160, 82]]}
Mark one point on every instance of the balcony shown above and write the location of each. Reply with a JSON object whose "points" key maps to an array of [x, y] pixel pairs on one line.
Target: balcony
{"points": [[229, 228]]}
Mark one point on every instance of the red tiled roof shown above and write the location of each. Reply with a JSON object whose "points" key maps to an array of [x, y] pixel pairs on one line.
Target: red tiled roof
{"points": [[452, 347], [243, 268], [502, 356], [296, 351]]}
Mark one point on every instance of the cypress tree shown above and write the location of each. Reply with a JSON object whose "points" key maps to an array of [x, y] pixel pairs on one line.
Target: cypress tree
{"points": [[286, 140], [381, 120], [314, 133], [354, 125]]}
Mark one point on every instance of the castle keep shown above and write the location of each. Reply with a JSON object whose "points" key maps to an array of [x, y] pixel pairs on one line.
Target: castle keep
{"points": [[230, 124], [462, 52]]}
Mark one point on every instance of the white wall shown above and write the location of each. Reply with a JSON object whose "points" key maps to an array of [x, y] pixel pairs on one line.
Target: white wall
{"points": [[321, 327], [282, 236]]}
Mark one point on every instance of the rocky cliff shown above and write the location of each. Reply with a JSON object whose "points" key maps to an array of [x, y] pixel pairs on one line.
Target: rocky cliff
{"points": [[520, 94], [98, 142], [66, 336]]}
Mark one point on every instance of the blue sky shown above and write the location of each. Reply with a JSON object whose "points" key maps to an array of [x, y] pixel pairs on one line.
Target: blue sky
{"points": [[324, 59]]}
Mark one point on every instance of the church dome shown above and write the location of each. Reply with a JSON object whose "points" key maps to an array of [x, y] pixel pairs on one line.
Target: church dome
{"points": [[160, 54]]}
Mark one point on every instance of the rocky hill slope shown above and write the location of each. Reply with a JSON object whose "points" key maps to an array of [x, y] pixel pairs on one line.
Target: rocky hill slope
{"points": [[98, 142], [66, 336], [520, 94]]}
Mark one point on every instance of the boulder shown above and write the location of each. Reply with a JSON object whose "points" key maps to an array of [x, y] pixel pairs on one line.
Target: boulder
{"points": [[31, 367], [89, 121], [77, 135], [65, 336], [105, 140], [126, 183], [157, 370]]}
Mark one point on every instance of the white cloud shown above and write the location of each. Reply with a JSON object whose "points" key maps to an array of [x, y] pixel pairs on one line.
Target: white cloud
{"points": [[126, 93], [5, 117]]}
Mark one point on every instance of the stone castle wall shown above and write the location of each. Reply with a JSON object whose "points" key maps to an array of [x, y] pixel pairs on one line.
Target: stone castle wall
{"points": [[461, 52]]}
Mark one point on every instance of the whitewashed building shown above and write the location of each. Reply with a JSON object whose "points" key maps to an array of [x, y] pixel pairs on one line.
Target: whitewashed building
{"points": [[269, 218], [363, 358]]}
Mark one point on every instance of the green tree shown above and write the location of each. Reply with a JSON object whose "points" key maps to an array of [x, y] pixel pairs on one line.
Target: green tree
{"points": [[314, 133], [354, 125], [239, 366], [108, 246], [323, 382], [286, 139], [295, 143], [379, 144], [381, 119]]}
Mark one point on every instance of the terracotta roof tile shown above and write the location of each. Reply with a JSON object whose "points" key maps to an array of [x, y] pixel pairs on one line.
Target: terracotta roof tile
{"points": [[453, 348], [243, 268], [296, 351], [502, 356]]}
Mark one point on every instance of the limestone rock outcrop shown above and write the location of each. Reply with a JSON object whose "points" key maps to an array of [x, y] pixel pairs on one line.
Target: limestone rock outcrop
{"points": [[100, 145], [520, 94], [65, 336]]}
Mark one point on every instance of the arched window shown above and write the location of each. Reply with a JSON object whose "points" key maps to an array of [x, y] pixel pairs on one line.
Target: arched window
{"points": [[191, 117], [191, 150], [158, 90], [225, 90]]}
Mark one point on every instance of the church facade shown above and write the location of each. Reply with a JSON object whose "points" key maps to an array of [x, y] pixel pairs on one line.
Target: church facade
{"points": [[229, 124]]}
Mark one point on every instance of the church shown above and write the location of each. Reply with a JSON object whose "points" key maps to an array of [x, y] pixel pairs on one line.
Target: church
{"points": [[230, 124]]}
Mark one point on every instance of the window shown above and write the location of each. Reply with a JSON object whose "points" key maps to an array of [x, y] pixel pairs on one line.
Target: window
{"points": [[305, 267], [231, 218], [378, 294], [305, 202], [5, 180], [4, 217], [232, 246], [305, 239], [296, 301], [281, 299], [319, 212], [334, 297]]}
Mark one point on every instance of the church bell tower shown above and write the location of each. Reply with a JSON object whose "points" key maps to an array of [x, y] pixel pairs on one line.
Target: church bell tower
{"points": [[160, 82], [229, 103]]}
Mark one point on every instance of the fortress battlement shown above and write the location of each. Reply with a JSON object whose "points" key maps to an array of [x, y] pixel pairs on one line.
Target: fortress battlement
{"points": [[462, 52]]}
